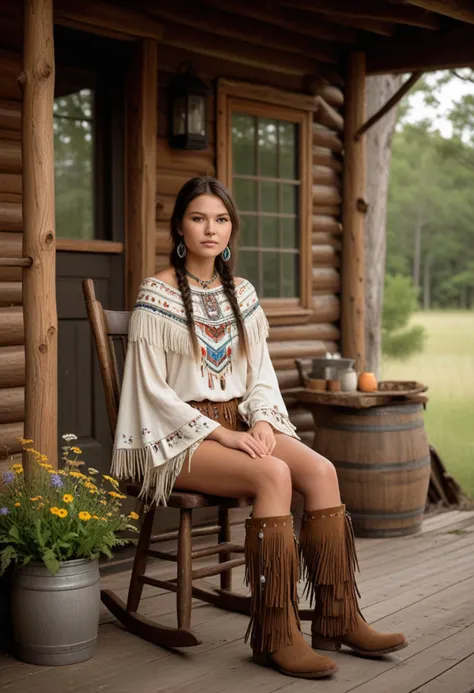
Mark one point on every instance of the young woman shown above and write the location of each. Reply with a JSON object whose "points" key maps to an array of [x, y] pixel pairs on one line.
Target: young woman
{"points": [[201, 410]]}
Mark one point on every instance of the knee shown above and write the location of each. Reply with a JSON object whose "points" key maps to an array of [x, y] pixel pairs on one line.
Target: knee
{"points": [[324, 470], [274, 474]]}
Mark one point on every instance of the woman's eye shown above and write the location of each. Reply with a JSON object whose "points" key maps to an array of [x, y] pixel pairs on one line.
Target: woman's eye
{"points": [[197, 218], [222, 219]]}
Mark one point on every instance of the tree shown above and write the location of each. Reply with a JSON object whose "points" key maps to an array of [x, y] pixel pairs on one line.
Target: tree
{"points": [[379, 147]]}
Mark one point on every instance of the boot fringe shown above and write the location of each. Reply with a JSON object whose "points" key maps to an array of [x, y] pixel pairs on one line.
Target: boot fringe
{"points": [[329, 562], [272, 573]]}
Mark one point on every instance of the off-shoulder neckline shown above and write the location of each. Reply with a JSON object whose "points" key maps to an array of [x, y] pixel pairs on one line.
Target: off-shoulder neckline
{"points": [[195, 289]]}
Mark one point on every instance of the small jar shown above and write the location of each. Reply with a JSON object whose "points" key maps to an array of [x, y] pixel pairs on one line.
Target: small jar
{"points": [[349, 380]]}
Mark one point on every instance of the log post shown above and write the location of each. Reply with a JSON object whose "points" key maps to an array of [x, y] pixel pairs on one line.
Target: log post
{"points": [[141, 128], [352, 272], [39, 240]]}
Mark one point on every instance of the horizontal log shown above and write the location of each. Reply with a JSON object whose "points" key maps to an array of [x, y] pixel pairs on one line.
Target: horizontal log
{"points": [[10, 157], [12, 405], [358, 22], [197, 163], [289, 362], [322, 156], [164, 207], [10, 183], [10, 274], [323, 238], [161, 262], [328, 116], [10, 216], [287, 379], [324, 137], [326, 279], [327, 210], [326, 195], [236, 27], [11, 294], [11, 244], [12, 366], [326, 308], [10, 66], [170, 182], [11, 327], [10, 114], [325, 175], [9, 434], [303, 420], [327, 224], [300, 333], [163, 239], [284, 350], [329, 92], [325, 256]]}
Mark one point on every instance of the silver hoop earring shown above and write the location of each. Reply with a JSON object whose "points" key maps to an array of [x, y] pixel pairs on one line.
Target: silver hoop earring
{"points": [[226, 254], [181, 250]]}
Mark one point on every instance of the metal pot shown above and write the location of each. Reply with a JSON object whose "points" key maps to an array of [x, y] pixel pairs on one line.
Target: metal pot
{"points": [[56, 617]]}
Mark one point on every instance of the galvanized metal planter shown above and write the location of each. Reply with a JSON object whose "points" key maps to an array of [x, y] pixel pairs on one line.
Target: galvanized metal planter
{"points": [[56, 617]]}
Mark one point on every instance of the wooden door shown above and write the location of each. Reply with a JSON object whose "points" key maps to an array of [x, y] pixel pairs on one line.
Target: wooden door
{"points": [[89, 166]]}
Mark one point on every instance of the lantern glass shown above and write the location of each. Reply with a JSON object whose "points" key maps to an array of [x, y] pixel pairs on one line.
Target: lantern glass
{"points": [[197, 114], [179, 116]]}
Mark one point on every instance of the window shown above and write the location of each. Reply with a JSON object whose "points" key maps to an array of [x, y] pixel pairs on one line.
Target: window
{"points": [[74, 139], [265, 159]]}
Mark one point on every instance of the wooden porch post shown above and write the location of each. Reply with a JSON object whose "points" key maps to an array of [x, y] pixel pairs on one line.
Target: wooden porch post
{"points": [[141, 129], [39, 240], [354, 208]]}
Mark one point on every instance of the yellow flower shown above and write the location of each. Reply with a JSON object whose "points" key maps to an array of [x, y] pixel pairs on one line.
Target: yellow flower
{"points": [[77, 475], [84, 515], [93, 490], [67, 498], [54, 510], [17, 505], [103, 502], [24, 441], [113, 481], [116, 495], [76, 450], [109, 514], [17, 468], [134, 516], [39, 497], [62, 512], [34, 499], [95, 517], [46, 466]]}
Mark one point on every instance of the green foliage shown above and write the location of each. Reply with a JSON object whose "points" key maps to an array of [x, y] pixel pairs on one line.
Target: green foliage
{"points": [[55, 516], [399, 340]]}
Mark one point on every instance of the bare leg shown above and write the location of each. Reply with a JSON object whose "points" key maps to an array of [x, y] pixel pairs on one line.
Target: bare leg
{"points": [[312, 474], [222, 471]]}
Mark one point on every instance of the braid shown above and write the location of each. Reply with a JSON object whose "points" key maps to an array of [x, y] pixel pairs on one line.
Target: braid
{"points": [[227, 278], [188, 304]]}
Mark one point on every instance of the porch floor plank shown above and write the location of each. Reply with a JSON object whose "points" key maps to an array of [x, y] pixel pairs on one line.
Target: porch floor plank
{"points": [[422, 585]]}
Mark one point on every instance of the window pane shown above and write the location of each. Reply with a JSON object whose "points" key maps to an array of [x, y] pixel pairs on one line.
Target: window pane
{"points": [[288, 143], [269, 202], [74, 167], [270, 232], [248, 230], [271, 274], [267, 147], [289, 201], [245, 192], [78, 105], [290, 267], [289, 229], [243, 144], [248, 266]]}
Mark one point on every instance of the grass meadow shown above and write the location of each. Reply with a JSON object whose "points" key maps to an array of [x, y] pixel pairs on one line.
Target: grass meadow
{"points": [[447, 367]]}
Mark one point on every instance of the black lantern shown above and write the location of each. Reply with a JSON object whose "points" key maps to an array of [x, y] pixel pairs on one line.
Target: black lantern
{"points": [[188, 96]]}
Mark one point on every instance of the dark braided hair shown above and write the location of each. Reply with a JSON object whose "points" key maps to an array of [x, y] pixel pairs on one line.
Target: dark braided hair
{"points": [[205, 185]]}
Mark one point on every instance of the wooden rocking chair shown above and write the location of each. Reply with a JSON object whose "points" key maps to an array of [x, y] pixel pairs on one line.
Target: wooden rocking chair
{"points": [[110, 328]]}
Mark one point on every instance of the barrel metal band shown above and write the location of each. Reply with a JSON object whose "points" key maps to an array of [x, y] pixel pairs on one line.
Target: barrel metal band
{"points": [[409, 426], [377, 515], [384, 466]]}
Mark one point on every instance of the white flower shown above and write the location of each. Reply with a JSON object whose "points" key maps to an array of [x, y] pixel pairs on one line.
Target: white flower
{"points": [[91, 470], [69, 437]]}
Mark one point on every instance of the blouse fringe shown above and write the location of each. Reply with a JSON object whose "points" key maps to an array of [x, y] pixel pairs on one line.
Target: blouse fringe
{"points": [[160, 332], [157, 482]]}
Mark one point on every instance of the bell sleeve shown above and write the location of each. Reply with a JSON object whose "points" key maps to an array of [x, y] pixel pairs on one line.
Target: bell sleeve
{"points": [[156, 431], [262, 400]]}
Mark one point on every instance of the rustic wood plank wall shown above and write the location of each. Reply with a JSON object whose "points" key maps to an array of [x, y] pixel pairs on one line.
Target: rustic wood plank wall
{"points": [[12, 353], [174, 167]]}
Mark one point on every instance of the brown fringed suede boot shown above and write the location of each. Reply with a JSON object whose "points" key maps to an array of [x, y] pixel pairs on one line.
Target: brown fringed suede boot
{"points": [[272, 572], [327, 548]]}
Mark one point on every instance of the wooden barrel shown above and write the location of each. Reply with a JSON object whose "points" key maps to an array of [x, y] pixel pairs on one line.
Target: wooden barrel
{"points": [[383, 462]]}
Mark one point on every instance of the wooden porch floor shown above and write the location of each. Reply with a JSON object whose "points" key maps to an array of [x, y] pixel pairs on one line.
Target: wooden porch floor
{"points": [[422, 584]]}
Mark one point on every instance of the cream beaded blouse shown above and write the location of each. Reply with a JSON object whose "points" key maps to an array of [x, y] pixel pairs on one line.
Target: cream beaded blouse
{"points": [[156, 429]]}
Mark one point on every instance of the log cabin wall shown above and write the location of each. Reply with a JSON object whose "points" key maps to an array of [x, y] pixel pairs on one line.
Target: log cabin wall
{"points": [[12, 355], [174, 167]]}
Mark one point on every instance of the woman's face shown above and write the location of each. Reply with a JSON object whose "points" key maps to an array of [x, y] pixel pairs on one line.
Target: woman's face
{"points": [[206, 226]]}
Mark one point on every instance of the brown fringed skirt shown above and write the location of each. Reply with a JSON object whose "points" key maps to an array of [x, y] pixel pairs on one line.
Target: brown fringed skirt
{"points": [[225, 413]]}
